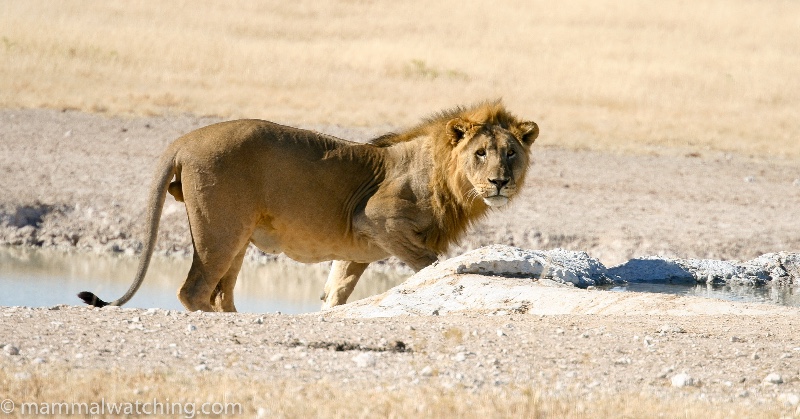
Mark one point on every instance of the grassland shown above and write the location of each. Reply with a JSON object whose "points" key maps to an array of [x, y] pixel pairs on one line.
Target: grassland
{"points": [[625, 74]]}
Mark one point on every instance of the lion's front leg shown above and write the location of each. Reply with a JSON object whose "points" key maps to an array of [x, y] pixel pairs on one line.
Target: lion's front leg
{"points": [[402, 240], [341, 282]]}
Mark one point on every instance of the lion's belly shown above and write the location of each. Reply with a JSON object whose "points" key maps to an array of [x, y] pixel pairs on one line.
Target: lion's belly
{"points": [[311, 249]]}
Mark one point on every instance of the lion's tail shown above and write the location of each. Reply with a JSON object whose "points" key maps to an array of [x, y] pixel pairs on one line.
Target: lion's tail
{"points": [[164, 173]]}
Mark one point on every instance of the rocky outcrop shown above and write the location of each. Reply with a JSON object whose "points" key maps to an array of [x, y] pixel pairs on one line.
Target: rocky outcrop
{"points": [[782, 267], [503, 280]]}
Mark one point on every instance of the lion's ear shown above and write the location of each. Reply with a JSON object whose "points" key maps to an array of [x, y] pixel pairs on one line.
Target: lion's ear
{"points": [[528, 132], [457, 129]]}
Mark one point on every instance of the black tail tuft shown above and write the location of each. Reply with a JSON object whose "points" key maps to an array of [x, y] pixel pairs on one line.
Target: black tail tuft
{"points": [[91, 299]]}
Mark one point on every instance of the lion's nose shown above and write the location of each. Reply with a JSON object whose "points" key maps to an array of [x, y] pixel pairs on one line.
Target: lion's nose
{"points": [[499, 183]]}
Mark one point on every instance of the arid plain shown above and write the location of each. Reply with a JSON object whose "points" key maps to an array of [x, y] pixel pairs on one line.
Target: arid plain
{"points": [[667, 128]]}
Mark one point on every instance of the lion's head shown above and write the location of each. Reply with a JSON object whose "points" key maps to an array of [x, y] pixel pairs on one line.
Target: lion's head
{"points": [[490, 153]]}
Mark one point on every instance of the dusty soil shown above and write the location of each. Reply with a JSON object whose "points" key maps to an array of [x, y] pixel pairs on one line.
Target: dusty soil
{"points": [[577, 358], [75, 181]]}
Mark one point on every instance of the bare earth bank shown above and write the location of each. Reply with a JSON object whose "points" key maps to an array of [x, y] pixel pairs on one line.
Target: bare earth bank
{"points": [[77, 181], [73, 180]]}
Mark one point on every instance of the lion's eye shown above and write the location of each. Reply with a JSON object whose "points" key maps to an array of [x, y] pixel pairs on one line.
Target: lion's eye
{"points": [[481, 153], [511, 153]]}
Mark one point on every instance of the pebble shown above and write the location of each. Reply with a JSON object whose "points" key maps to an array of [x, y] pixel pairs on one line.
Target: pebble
{"points": [[789, 399], [682, 380], [773, 378], [736, 339], [426, 372], [665, 372], [276, 357], [460, 357], [755, 356], [38, 361], [500, 333], [622, 361], [11, 350], [191, 328], [22, 376], [670, 329], [364, 360], [201, 367]]}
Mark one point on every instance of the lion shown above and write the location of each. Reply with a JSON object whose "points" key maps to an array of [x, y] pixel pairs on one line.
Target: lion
{"points": [[318, 198]]}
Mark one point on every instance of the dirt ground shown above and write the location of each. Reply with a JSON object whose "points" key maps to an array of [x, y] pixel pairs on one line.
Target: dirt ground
{"points": [[73, 180], [70, 180]]}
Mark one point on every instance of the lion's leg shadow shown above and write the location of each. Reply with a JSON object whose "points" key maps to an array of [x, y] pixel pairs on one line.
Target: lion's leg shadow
{"points": [[341, 281]]}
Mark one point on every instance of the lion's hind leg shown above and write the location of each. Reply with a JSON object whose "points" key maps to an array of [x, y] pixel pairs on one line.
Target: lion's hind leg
{"points": [[341, 281], [220, 234], [222, 296]]}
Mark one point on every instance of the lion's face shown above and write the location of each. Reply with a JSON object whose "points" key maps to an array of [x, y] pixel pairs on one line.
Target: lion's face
{"points": [[492, 159]]}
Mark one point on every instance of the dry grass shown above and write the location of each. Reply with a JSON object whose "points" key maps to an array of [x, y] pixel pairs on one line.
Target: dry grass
{"points": [[603, 74], [295, 399]]}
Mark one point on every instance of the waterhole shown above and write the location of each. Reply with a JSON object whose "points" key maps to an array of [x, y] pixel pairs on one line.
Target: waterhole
{"points": [[40, 278]]}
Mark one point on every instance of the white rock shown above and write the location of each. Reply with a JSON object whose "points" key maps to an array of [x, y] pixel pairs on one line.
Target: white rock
{"points": [[276, 357], [191, 328], [427, 371], [500, 333], [773, 378], [11, 350], [682, 380], [201, 367], [667, 328], [460, 357], [365, 359], [789, 399]]}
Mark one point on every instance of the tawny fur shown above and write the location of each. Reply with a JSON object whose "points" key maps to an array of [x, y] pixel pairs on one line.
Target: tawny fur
{"points": [[315, 197]]}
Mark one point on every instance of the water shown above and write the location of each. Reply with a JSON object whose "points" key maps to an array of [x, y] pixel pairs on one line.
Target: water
{"points": [[39, 278], [779, 295]]}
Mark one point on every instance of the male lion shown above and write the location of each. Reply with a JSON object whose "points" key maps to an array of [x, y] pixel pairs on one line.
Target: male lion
{"points": [[316, 198]]}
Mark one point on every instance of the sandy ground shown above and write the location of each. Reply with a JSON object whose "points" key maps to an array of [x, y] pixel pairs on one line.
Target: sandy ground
{"points": [[75, 181]]}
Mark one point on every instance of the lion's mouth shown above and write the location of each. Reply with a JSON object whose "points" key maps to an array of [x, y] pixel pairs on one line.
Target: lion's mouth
{"points": [[495, 201]]}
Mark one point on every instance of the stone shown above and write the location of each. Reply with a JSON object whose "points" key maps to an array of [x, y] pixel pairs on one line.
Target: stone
{"points": [[426, 372], [365, 360], [773, 378], [789, 399], [11, 350], [682, 380]]}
